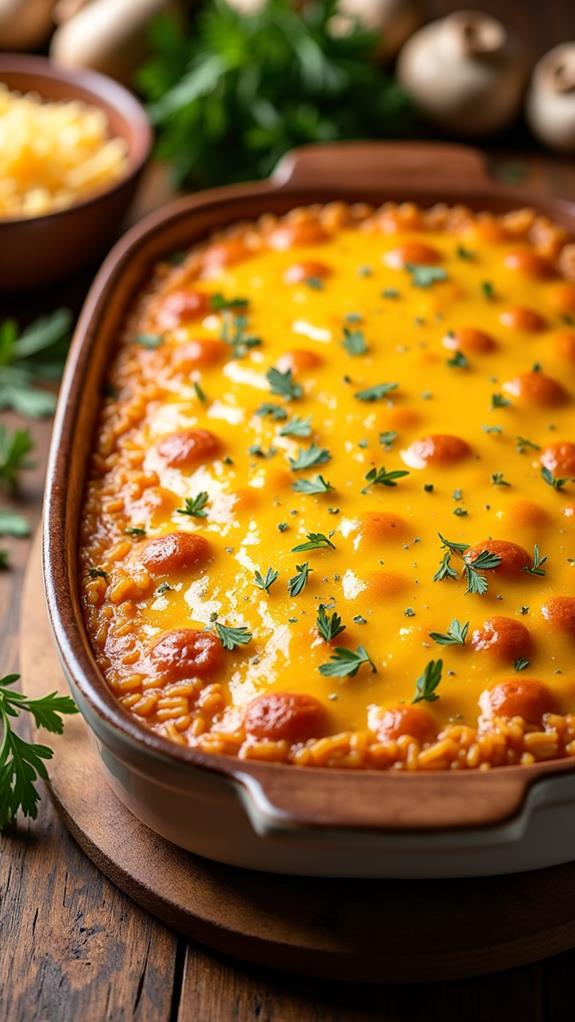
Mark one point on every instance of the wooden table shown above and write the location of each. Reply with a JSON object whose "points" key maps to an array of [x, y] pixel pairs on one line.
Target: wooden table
{"points": [[72, 947]]}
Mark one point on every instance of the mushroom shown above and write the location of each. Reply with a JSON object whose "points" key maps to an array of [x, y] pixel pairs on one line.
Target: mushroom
{"points": [[105, 35], [551, 98], [392, 20], [465, 71], [24, 24]]}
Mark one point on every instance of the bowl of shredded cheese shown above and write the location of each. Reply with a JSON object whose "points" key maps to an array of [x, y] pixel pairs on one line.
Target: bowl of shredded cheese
{"points": [[72, 147]]}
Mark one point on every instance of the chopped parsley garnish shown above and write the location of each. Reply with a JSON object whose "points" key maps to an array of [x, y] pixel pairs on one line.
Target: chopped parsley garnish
{"points": [[455, 635], [380, 477], [445, 570], [316, 283], [232, 637], [296, 427], [458, 361], [194, 506], [266, 581], [275, 412], [218, 303], [538, 561], [134, 530], [297, 584], [454, 548], [520, 664], [164, 587], [522, 445], [485, 561], [309, 457], [258, 452], [487, 290], [551, 480], [354, 341], [492, 429], [317, 485], [427, 682], [376, 393], [498, 401], [283, 384], [464, 253], [390, 292], [315, 541], [328, 627], [97, 573], [460, 512], [497, 479], [387, 438], [345, 663], [234, 333], [149, 341], [424, 276], [200, 394]]}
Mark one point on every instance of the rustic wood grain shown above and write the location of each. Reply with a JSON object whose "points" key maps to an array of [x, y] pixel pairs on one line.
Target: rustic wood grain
{"points": [[59, 917]]}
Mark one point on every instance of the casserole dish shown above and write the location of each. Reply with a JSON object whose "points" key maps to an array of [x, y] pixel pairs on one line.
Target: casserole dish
{"points": [[262, 815]]}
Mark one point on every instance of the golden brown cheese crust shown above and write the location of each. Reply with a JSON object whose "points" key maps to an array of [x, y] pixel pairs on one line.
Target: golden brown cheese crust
{"points": [[329, 517]]}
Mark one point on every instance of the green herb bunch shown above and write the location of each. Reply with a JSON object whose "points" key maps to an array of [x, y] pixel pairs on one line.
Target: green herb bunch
{"points": [[240, 90]]}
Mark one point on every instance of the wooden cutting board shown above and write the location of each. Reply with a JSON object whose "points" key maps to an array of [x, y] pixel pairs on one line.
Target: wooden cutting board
{"points": [[369, 931]]}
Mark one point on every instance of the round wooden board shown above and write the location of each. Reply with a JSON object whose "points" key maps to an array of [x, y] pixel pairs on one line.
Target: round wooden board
{"points": [[369, 931]]}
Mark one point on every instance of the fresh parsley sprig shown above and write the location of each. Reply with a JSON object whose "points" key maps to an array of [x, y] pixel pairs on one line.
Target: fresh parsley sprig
{"points": [[317, 485], [328, 626], [309, 457], [22, 763], [376, 393], [536, 568], [298, 582], [427, 683], [14, 450], [296, 427], [34, 356], [195, 506], [315, 541], [345, 663], [354, 341], [455, 636], [283, 384], [380, 477], [553, 481], [485, 561], [231, 637], [266, 581], [424, 276]]}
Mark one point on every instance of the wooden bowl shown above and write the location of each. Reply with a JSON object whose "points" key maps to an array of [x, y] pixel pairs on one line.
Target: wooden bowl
{"points": [[35, 251], [267, 815]]}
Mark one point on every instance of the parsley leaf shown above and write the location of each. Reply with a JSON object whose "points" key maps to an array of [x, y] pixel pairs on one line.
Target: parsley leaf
{"points": [[315, 541], [22, 763], [445, 570], [497, 479], [297, 584], [487, 290], [354, 341], [14, 450], [274, 411], [551, 480], [454, 548], [283, 384], [309, 458], [296, 427], [520, 664], [485, 561], [380, 477], [458, 361], [346, 663], [424, 276], [498, 401], [455, 636], [134, 530], [194, 506], [328, 627], [265, 582], [234, 333], [377, 392], [523, 445], [218, 303], [427, 682], [387, 438], [537, 567], [232, 637], [149, 341], [317, 485]]}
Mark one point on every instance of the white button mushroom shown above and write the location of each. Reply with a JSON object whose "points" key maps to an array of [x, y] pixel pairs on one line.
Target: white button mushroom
{"points": [[465, 71], [551, 98]]}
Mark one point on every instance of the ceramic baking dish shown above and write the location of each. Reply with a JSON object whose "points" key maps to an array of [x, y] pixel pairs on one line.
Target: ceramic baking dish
{"points": [[264, 816]]}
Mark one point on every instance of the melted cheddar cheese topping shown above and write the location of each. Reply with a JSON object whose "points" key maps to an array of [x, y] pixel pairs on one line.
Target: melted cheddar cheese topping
{"points": [[330, 517]]}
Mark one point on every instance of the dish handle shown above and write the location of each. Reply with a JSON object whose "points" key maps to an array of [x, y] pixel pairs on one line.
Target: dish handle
{"points": [[382, 801], [373, 164]]}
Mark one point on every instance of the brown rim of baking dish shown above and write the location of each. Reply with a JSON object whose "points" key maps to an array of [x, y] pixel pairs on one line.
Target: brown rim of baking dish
{"points": [[299, 796], [26, 73]]}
